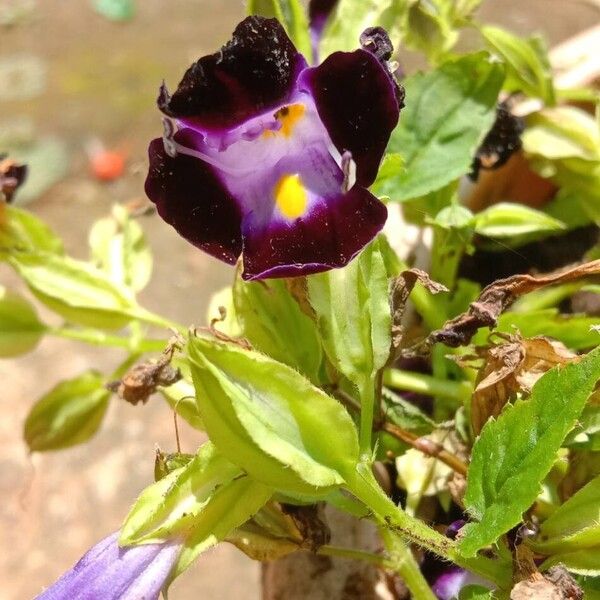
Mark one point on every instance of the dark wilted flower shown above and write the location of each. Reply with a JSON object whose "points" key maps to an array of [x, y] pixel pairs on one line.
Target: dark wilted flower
{"points": [[12, 176], [109, 572], [265, 156]]}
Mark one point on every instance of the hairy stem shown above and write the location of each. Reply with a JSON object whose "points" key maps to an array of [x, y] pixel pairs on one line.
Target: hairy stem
{"points": [[402, 561], [363, 485]]}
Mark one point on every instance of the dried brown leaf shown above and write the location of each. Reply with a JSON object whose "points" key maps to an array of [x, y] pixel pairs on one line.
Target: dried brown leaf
{"points": [[512, 368], [401, 288], [496, 298]]}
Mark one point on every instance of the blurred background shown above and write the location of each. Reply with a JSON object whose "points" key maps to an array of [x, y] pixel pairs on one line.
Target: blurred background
{"points": [[79, 79]]}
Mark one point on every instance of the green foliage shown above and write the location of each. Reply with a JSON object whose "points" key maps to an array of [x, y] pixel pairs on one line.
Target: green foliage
{"points": [[68, 414], [118, 246], [291, 14], [509, 220], [574, 525], [563, 145], [475, 592], [269, 420], [528, 67], [20, 327], [24, 232], [353, 315], [203, 502], [515, 452], [430, 26], [448, 111], [75, 289], [172, 504], [575, 331], [269, 317]]}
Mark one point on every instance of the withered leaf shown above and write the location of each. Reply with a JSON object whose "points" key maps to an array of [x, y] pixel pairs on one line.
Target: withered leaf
{"points": [[142, 380], [510, 368], [496, 298], [401, 288]]}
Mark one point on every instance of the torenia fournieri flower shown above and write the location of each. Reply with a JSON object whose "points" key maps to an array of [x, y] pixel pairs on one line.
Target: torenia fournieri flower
{"points": [[109, 572], [267, 157]]}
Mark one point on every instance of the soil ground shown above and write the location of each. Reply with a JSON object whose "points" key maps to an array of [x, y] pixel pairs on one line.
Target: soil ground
{"points": [[101, 81]]}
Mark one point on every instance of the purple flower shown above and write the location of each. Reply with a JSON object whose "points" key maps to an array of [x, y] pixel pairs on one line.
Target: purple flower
{"points": [[267, 157], [108, 572]]}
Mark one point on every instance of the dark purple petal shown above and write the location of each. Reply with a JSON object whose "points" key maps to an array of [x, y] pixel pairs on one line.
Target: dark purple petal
{"points": [[190, 196], [254, 72], [357, 102], [327, 237], [109, 572]]}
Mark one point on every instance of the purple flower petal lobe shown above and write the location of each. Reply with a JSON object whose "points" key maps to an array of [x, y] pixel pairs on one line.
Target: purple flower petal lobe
{"points": [[110, 572], [254, 72]]}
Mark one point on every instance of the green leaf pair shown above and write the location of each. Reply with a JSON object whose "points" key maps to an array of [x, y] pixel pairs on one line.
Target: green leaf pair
{"points": [[199, 504]]}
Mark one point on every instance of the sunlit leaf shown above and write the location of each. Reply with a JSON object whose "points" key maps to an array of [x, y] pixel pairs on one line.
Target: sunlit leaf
{"points": [[20, 327], [269, 420], [528, 67], [75, 290], [68, 414], [515, 452], [119, 248], [448, 112]]}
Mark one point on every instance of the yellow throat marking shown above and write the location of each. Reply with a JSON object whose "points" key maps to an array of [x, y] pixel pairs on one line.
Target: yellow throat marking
{"points": [[291, 196], [288, 116]]}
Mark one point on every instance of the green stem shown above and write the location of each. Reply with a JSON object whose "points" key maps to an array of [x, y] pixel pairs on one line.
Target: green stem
{"points": [[96, 337], [367, 412], [352, 554], [364, 486], [428, 385], [151, 318], [402, 561]]}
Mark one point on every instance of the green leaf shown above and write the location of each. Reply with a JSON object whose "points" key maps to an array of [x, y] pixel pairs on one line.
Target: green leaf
{"points": [[202, 502], [528, 67], [20, 327], [350, 18], [23, 231], [582, 562], [75, 290], [291, 14], [515, 452], [586, 435], [268, 419], [391, 166], [448, 112], [231, 506], [68, 414], [120, 249], [562, 132], [431, 26], [475, 592], [574, 331], [270, 317], [353, 314], [172, 504], [507, 220], [574, 525]]}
